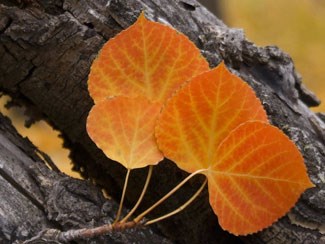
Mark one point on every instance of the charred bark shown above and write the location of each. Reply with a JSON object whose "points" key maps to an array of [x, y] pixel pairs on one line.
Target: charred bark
{"points": [[46, 49]]}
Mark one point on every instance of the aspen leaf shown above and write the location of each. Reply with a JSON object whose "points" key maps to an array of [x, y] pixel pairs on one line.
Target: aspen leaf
{"points": [[124, 129], [258, 176], [255, 173], [201, 114], [148, 59]]}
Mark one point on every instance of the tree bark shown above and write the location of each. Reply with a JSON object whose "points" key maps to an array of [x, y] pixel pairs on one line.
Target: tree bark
{"points": [[47, 48], [36, 198]]}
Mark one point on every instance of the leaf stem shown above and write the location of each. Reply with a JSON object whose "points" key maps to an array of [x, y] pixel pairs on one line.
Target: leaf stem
{"points": [[122, 197], [141, 196], [85, 233], [188, 202], [142, 215]]}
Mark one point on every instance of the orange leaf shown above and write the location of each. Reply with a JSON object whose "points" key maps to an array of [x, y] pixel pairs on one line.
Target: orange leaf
{"points": [[124, 129], [148, 59], [258, 176], [201, 114]]}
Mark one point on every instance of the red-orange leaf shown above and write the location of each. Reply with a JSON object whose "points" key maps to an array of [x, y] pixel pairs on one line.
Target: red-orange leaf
{"points": [[148, 59], [258, 176], [255, 173], [124, 129], [201, 114]]}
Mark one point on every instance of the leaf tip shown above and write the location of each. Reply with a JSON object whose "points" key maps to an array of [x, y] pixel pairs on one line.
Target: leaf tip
{"points": [[309, 183], [142, 16]]}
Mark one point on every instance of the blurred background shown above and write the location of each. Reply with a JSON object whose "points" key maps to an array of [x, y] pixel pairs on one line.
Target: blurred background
{"points": [[296, 26]]}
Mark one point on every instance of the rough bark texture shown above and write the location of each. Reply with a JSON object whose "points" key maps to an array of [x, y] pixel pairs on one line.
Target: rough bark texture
{"points": [[35, 198], [47, 47]]}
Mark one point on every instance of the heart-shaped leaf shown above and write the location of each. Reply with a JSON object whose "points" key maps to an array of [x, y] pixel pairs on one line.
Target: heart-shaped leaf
{"points": [[216, 124], [258, 176], [124, 129], [200, 115], [148, 59]]}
